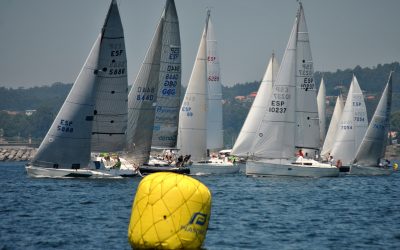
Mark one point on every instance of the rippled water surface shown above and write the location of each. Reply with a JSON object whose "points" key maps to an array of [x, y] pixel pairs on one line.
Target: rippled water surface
{"points": [[247, 213]]}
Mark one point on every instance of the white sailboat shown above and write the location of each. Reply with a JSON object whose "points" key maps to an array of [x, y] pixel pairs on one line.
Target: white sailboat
{"points": [[373, 146], [154, 99], [322, 110], [193, 117], [333, 125], [291, 119], [93, 116], [352, 126], [244, 142]]}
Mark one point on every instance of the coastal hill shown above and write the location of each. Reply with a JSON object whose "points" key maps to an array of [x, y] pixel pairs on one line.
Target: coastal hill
{"points": [[28, 112]]}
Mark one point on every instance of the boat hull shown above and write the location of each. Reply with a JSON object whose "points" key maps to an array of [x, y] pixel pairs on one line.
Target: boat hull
{"points": [[40, 172], [213, 168], [288, 168], [369, 170], [155, 169]]}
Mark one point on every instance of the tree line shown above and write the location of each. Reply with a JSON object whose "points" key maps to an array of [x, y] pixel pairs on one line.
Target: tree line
{"points": [[47, 100]]}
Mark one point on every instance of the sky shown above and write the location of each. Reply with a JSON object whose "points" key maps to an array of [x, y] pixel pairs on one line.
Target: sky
{"points": [[47, 41]]}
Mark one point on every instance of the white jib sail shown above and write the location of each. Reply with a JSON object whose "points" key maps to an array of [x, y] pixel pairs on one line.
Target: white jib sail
{"points": [[275, 135], [333, 125], [248, 134], [352, 126], [322, 110], [169, 90], [193, 114], [373, 145], [111, 107], [307, 121], [214, 114]]}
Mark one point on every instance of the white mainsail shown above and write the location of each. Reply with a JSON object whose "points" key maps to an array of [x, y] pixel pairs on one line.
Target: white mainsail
{"points": [[322, 110], [214, 114], [142, 101], [247, 135], [307, 122], [373, 145], [110, 108], [275, 137], [192, 135], [168, 95], [352, 126], [67, 144], [333, 125]]}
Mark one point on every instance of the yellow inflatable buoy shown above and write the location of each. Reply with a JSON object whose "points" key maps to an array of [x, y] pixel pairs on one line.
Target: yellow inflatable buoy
{"points": [[395, 167], [170, 211]]}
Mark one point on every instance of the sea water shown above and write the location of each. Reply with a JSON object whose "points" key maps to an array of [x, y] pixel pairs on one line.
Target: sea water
{"points": [[247, 213]]}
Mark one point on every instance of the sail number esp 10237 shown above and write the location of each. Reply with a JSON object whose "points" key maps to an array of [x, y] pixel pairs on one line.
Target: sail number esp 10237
{"points": [[279, 100]]}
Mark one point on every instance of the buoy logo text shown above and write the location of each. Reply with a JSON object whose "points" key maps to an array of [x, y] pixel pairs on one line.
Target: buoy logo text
{"points": [[197, 219]]}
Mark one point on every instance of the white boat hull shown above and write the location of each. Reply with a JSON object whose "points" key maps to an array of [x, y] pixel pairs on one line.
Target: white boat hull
{"points": [[282, 167], [210, 168], [40, 172], [369, 171]]}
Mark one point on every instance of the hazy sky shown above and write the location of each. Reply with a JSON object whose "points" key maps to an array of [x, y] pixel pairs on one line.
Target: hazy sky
{"points": [[46, 41]]}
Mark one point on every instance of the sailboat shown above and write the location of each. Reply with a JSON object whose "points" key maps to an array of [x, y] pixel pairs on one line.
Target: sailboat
{"points": [[290, 120], [352, 126], [154, 99], [93, 116], [192, 137], [373, 146], [244, 142], [321, 110], [333, 125]]}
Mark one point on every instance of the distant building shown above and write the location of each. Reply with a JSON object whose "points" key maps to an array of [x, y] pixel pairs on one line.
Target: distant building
{"points": [[30, 112], [240, 98]]}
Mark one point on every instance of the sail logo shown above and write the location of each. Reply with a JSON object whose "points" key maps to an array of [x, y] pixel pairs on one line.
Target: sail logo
{"points": [[197, 219], [65, 126]]}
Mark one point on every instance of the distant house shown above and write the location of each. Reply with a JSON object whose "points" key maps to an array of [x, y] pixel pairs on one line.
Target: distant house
{"points": [[9, 112], [30, 112], [371, 97], [252, 95], [240, 98]]}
